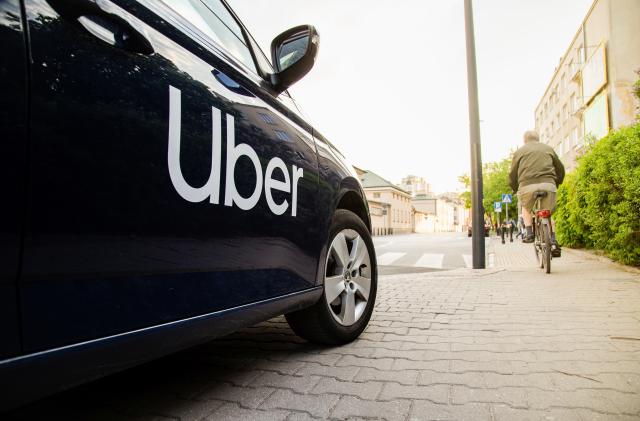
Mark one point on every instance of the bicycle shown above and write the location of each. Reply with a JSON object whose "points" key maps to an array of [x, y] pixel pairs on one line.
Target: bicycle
{"points": [[542, 230]]}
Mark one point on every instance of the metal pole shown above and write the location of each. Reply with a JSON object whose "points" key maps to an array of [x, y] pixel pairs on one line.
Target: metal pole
{"points": [[507, 212], [474, 135]]}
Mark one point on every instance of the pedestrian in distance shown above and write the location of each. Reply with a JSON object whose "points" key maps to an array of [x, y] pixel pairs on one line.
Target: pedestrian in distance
{"points": [[536, 167], [520, 226]]}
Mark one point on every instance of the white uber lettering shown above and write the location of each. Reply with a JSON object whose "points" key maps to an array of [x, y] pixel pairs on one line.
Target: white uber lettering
{"points": [[297, 175], [234, 152], [270, 183], [211, 189]]}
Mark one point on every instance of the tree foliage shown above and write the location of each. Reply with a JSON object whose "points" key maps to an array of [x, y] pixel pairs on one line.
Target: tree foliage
{"points": [[465, 180], [495, 183], [599, 203]]}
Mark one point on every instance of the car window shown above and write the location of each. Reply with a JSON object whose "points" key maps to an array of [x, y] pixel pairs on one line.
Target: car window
{"points": [[263, 61], [214, 20]]}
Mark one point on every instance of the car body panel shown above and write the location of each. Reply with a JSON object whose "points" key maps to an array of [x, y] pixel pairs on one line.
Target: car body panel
{"points": [[13, 140], [118, 248]]}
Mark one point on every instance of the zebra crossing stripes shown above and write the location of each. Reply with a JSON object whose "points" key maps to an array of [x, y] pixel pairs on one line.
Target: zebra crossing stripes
{"points": [[430, 260], [424, 260], [468, 260], [386, 259]]}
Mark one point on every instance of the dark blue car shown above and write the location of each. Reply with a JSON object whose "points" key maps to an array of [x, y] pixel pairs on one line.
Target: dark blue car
{"points": [[160, 188]]}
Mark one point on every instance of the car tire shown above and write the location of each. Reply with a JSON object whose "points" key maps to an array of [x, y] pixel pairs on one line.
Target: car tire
{"points": [[349, 287]]}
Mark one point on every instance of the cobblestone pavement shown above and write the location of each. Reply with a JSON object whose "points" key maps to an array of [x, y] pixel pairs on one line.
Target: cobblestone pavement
{"points": [[508, 343]]}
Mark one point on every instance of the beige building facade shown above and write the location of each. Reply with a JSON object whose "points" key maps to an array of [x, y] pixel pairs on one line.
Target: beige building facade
{"points": [[441, 214], [590, 92], [389, 205]]}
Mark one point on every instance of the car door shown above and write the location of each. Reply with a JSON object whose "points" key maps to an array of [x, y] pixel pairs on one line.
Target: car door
{"points": [[165, 181], [13, 130]]}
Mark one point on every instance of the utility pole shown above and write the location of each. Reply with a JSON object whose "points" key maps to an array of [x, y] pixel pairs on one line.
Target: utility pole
{"points": [[477, 212]]}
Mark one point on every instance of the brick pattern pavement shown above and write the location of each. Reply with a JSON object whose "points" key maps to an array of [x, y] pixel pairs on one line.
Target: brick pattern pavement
{"points": [[498, 344]]}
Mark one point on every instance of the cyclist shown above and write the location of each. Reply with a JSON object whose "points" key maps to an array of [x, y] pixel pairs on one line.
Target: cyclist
{"points": [[536, 167]]}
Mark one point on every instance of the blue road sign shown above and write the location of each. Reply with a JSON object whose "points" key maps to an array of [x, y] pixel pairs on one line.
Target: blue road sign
{"points": [[497, 206], [506, 198]]}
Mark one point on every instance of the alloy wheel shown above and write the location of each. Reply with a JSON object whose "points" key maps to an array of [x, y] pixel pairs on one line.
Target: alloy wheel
{"points": [[347, 282]]}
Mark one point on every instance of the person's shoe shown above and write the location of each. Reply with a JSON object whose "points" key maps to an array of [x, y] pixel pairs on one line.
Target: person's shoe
{"points": [[528, 238], [556, 251]]}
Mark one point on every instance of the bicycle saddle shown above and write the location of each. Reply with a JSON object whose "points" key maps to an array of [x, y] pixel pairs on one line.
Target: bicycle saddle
{"points": [[540, 193]]}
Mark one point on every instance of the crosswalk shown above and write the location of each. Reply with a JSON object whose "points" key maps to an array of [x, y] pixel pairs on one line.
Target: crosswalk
{"points": [[424, 260], [387, 259]]}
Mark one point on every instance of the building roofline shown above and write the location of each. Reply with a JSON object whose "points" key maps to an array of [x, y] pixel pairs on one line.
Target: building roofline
{"points": [[380, 179], [566, 53], [384, 204], [388, 187]]}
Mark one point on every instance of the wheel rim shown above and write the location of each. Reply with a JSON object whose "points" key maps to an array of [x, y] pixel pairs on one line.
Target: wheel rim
{"points": [[347, 281]]}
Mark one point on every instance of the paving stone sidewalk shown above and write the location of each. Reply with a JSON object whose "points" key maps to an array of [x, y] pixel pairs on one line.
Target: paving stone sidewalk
{"points": [[506, 343]]}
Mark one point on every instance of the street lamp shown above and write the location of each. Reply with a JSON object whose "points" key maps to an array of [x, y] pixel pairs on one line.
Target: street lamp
{"points": [[477, 213]]}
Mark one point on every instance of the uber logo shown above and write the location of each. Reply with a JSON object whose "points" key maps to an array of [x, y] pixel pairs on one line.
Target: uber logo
{"points": [[211, 189]]}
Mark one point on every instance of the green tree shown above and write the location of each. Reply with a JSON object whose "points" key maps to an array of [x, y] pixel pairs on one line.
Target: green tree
{"points": [[465, 180], [495, 183]]}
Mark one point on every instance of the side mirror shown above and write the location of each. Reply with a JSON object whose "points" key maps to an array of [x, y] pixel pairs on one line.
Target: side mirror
{"points": [[293, 53]]}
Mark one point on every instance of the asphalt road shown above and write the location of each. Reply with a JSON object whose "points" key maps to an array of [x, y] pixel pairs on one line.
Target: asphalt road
{"points": [[413, 253]]}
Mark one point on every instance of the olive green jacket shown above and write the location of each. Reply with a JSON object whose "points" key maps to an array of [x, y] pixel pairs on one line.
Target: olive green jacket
{"points": [[533, 163]]}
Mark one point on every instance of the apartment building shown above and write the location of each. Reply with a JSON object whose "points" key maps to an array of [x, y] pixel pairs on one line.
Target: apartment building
{"points": [[590, 92]]}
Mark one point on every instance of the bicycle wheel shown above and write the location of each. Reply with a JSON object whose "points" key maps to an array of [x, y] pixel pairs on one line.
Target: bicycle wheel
{"points": [[537, 243], [546, 247]]}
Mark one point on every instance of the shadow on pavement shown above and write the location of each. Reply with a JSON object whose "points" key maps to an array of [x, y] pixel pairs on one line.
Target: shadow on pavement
{"points": [[180, 385]]}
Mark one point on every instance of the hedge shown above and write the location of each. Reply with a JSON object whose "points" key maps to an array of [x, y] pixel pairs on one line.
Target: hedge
{"points": [[599, 202]]}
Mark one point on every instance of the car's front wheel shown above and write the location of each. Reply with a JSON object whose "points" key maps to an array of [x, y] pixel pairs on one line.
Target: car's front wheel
{"points": [[350, 286]]}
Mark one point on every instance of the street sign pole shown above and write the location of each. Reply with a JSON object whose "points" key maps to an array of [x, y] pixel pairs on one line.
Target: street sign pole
{"points": [[478, 250], [506, 199], [507, 212]]}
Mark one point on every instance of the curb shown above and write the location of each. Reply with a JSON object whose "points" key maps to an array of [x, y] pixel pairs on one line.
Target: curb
{"points": [[603, 259]]}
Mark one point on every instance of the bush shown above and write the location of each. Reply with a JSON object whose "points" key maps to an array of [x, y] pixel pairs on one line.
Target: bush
{"points": [[599, 203]]}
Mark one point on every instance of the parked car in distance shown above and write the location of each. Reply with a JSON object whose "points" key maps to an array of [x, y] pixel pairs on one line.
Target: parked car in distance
{"points": [[163, 190]]}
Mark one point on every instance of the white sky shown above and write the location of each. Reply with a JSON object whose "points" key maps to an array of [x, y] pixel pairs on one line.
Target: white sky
{"points": [[389, 87]]}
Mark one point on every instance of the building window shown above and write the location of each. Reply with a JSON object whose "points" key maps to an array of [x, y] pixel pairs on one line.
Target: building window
{"points": [[572, 103], [563, 82], [565, 112], [376, 195], [574, 137]]}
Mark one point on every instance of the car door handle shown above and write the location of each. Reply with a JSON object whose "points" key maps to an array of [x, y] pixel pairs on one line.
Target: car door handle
{"points": [[102, 24], [229, 83]]}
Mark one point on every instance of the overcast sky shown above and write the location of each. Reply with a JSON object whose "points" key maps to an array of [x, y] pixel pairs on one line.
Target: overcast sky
{"points": [[389, 87]]}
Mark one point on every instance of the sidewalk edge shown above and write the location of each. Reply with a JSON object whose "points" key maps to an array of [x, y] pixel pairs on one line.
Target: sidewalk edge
{"points": [[603, 259]]}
